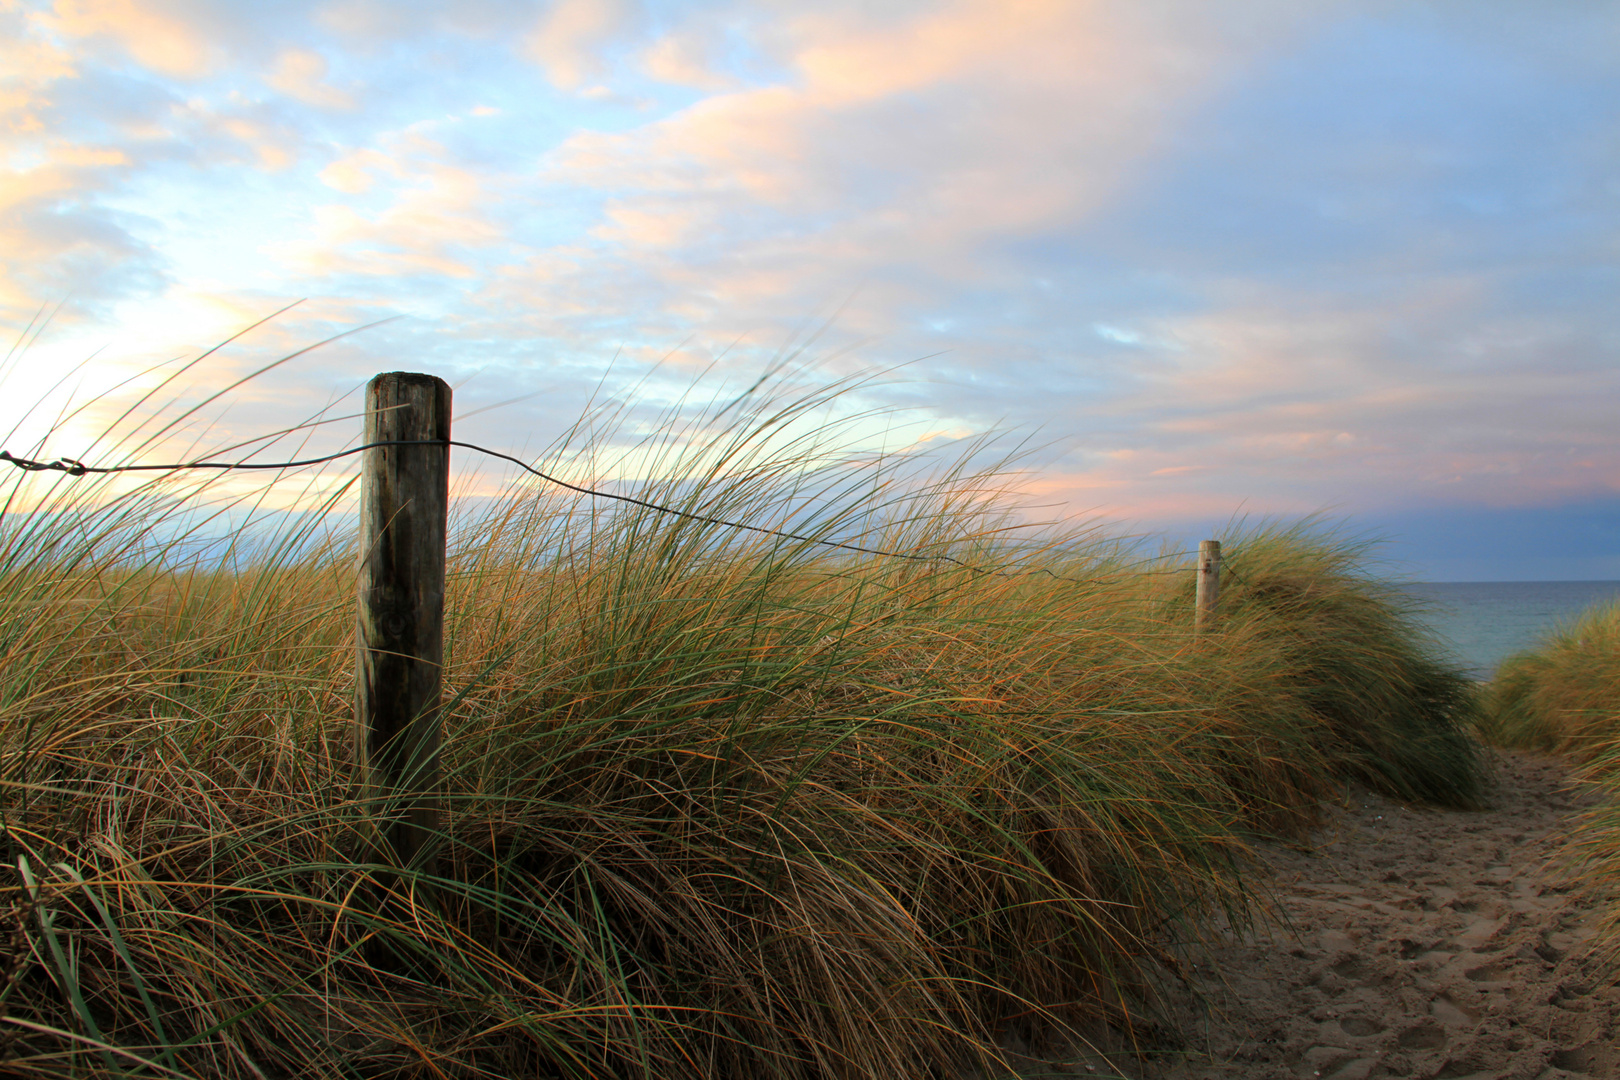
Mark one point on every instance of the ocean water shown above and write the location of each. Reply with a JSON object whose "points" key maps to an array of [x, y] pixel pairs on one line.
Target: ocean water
{"points": [[1485, 622]]}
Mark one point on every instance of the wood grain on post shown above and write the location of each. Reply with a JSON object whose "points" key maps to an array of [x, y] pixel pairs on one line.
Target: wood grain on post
{"points": [[1209, 584], [404, 505]]}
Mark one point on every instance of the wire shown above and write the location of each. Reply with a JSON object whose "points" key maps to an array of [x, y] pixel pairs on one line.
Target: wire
{"points": [[73, 467]]}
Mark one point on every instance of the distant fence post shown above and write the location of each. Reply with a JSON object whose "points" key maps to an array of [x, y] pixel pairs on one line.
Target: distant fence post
{"points": [[1209, 584], [404, 504]]}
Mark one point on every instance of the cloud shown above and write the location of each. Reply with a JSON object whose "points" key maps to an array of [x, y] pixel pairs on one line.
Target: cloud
{"points": [[568, 38], [1282, 404], [644, 225], [366, 24], [53, 244], [847, 58], [686, 60], [434, 212], [890, 194], [29, 65], [170, 38], [301, 73], [917, 141], [355, 172]]}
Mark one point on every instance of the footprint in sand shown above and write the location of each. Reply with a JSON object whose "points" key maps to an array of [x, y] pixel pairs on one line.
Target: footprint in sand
{"points": [[1488, 973], [1359, 1027], [1449, 1013], [1425, 1036]]}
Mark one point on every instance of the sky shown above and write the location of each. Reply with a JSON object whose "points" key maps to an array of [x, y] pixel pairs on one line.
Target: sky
{"points": [[1262, 258]]}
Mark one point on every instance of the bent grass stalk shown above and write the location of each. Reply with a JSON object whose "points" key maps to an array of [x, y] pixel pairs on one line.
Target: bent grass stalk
{"points": [[716, 803]]}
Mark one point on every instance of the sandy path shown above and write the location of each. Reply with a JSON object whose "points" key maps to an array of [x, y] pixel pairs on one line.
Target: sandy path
{"points": [[1422, 943]]}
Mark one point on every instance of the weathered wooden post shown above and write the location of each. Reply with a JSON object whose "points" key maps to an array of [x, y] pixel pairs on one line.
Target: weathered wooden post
{"points": [[1209, 584], [404, 504]]}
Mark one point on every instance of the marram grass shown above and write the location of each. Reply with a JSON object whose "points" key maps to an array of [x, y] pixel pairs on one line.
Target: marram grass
{"points": [[716, 804], [1563, 696]]}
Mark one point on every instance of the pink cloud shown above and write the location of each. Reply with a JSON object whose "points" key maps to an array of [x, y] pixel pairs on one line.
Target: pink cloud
{"points": [[301, 74], [567, 39], [165, 37], [436, 211]]}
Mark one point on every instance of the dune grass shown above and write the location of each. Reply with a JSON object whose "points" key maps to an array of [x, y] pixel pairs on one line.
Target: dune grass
{"points": [[1563, 697], [716, 804]]}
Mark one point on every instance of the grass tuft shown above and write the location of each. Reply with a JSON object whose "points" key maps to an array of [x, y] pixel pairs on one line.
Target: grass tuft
{"points": [[1393, 711], [1560, 697], [1563, 697]]}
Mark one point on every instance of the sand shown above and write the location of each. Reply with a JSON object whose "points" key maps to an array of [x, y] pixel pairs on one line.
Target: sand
{"points": [[1405, 941]]}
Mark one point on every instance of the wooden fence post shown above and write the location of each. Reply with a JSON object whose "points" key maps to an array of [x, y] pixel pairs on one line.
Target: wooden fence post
{"points": [[404, 505], [1209, 584]]}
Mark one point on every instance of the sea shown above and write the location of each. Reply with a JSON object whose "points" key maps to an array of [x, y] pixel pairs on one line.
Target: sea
{"points": [[1485, 622]]}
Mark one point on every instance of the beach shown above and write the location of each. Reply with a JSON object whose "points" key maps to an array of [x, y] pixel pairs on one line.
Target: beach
{"points": [[1402, 941]]}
